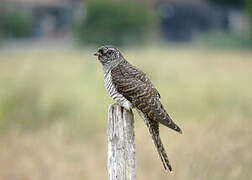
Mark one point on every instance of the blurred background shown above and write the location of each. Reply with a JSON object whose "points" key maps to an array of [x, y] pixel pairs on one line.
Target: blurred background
{"points": [[53, 104]]}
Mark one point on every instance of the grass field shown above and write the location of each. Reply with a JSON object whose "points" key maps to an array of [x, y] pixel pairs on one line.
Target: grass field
{"points": [[53, 114]]}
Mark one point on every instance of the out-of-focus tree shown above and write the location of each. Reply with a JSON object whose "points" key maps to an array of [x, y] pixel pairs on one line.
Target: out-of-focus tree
{"points": [[1, 20], [16, 24], [115, 22]]}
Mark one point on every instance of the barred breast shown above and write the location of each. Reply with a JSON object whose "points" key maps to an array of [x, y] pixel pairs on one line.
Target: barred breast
{"points": [[114, 93]]}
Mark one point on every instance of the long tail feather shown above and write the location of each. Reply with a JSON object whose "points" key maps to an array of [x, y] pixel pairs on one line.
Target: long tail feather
{"points": [[154, 131]]}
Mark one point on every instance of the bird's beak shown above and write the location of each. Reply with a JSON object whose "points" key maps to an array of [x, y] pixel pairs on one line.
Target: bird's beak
{"points": [[97, 54]]}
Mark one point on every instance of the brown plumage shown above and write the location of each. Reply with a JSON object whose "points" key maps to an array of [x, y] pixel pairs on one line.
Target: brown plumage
{"points": [[134, 85], [128, 85]]}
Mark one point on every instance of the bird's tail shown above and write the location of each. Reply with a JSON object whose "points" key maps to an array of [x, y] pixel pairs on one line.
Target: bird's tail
{"points": [[154, 131]]}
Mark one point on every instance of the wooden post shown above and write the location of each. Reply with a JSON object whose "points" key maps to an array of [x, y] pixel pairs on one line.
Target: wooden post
{"points": [[121, 144]]}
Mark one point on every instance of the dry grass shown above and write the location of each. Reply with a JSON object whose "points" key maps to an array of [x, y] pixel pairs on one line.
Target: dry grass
{"points": [[53, 114]]}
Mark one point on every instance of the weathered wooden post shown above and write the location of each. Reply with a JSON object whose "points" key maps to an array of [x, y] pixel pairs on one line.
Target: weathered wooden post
{"points": [[121, 144]]}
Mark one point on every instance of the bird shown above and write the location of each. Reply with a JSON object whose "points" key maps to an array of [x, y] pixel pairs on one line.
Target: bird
{"points": [[131, 88]]}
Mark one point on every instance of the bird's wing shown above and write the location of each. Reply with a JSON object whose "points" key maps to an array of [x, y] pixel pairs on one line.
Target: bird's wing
{"points": [[131, 82], [135, 86], [142, 77]]}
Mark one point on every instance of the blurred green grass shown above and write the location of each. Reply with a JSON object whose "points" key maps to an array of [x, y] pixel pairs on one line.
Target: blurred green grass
{"points": [[54, 105]]}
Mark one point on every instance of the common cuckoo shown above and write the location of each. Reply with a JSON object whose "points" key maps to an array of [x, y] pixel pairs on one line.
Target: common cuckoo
{"points": [[131, 88]]}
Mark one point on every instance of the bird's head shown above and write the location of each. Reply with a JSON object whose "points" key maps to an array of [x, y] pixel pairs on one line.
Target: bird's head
{"points": [[108, 55]]}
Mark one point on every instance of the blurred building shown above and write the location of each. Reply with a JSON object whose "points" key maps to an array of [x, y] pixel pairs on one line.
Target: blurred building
{"points": [[181, 20], [50, 17]]}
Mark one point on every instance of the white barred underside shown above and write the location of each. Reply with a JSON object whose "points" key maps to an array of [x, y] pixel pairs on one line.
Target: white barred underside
{"points": [[113, 92]]}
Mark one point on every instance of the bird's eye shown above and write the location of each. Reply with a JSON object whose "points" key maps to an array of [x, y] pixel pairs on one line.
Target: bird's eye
{"points": [[110, 52]]}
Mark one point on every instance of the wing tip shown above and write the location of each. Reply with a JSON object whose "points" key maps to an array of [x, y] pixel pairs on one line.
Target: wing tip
{"points": [[181, 132]]}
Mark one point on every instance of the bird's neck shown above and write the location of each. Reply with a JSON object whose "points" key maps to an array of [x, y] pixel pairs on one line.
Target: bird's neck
{"points": [[108, 67]]}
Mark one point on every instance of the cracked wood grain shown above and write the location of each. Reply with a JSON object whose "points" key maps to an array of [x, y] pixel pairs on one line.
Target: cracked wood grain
{"points": [[121, 163]]}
